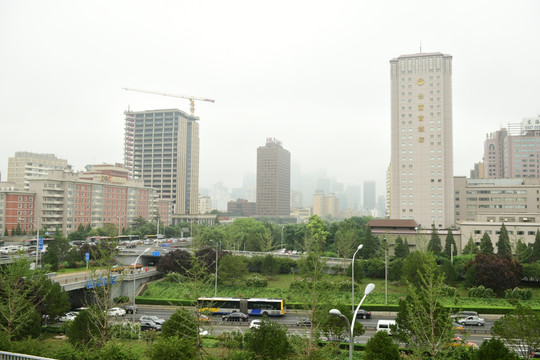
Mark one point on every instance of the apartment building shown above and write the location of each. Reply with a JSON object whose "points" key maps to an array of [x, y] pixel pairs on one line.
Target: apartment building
{"points": [[161, 148], [28, 165]]}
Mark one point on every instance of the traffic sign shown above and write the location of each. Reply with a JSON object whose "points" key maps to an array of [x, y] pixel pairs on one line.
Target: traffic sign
{"points": [[87, 257], [155, 253], [40, 242]]}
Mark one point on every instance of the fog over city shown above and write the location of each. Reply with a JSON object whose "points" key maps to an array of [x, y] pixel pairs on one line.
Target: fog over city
{"points": [[314, 75]]}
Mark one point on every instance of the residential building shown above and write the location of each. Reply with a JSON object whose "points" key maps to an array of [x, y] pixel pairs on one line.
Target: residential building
{"points": [[161, 148], [273, 179], [319, 204], [17, 207], [28, 165], [205, 204], [325, 205], [65, 201], [421, 169]]}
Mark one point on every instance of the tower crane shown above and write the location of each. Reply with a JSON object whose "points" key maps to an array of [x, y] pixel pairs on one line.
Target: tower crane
{"points": [[190, 98]]}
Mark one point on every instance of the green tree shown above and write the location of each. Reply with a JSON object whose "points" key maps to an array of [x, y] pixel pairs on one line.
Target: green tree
{"points": [[494, 349], [232, 268], [415, 264], [173, 348], [84, 330], [503, 245], [422, 321], [370, 243], [316, 235], [450, 247], [401, 248], [434, 244], [21, 291], [345, 243], [381, 347], [269, 341], [270, 265], [18, 230], [181, 324], [523, 252], [486, 245], [471, 247], [266, 241], [6, 232], [519, 329]]}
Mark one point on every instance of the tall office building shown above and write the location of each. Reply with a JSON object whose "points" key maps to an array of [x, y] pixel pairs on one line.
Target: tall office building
{"points": [[273, 179], [513, 152], [369, 195], [421, 169], [161, 147], [27, 165]]}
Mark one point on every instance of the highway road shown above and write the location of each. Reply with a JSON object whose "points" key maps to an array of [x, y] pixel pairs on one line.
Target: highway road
{"points": [[216, 326]]}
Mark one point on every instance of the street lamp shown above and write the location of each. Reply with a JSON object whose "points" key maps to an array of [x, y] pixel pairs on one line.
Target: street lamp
{"points": [[352, 273], [134, 268], [37, 240], [282, 236], [336, 312], [215, 286]]}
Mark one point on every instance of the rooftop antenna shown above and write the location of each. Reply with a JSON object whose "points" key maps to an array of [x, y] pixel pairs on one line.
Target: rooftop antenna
{"points": [[420, 46]]}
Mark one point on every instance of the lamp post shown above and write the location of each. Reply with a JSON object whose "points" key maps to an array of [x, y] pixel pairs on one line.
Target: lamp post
{"points": [[37, 240], [336, 312], [134, 289], [352, 273], [282, 236], [215, 285]]}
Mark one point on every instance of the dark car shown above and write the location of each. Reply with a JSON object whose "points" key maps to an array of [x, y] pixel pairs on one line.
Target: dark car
{"points": [[149, 325], [303, 322], [130, 309], [235, 316], [363, 314]]}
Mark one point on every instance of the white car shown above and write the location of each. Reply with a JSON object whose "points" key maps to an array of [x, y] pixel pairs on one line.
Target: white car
{"points": [[70, 316], [116, 311], [255, 324]]}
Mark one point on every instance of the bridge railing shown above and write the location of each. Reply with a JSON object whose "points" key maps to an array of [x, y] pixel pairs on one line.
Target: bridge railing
{"points": [[4, 355]]}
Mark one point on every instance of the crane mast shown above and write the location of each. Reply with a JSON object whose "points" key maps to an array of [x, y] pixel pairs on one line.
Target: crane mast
{"points": [[190, 98]]}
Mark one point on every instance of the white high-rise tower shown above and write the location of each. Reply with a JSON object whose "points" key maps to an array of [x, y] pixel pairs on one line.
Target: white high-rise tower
{"points": [[421, 170]]}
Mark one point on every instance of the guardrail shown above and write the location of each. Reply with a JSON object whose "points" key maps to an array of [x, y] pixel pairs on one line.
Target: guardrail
{"points": [[4, 355]]}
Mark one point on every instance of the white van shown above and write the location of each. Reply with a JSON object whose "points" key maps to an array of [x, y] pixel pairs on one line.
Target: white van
{"points": [[384, 325]]}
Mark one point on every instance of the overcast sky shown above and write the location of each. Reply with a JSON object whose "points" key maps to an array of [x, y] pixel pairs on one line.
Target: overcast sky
{"points": [[313, 74]]}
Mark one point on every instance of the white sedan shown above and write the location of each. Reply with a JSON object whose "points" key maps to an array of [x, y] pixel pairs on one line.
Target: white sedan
{"points": [[116, 311], [70, 316]]}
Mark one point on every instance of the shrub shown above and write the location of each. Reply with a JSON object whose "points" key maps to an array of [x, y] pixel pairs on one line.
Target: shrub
{"points": [[181, 324], [167, 348], [480, 292], [494, 349], [270, 266], [257, 281], [517, 293], [381, 347], [449, 291], [269, 341]]}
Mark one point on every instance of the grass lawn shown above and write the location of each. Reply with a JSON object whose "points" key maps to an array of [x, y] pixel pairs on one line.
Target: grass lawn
{"points": [[279, 287]]}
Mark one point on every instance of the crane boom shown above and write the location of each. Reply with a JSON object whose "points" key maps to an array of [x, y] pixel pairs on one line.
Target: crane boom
{"points": [[190, 98]]}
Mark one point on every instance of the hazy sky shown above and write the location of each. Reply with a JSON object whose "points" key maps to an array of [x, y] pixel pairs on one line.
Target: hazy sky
{"points": [[312, 74]]}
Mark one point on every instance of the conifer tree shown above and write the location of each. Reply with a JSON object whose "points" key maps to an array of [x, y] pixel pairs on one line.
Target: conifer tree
{"points": [[450, 247], [486, 246], [471, 247], [434, 244], [503, 245]]}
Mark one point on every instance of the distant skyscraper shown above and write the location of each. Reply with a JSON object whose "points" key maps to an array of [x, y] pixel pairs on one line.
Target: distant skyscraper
{"points": [[421, 172], [161, 147], [369, 195], [27, 165], [273, 179]]}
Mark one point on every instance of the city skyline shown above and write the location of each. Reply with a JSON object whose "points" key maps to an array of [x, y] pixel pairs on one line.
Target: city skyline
{"points": [[318, 82]]}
